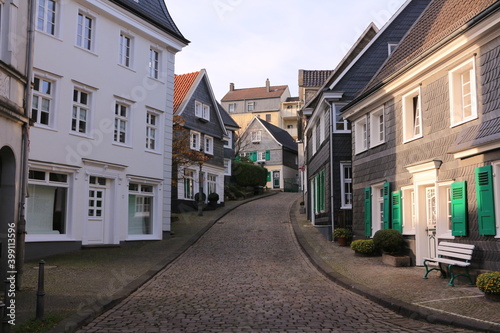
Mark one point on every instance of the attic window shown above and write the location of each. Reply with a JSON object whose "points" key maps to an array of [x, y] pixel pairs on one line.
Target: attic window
{"points": [[391, 47]]}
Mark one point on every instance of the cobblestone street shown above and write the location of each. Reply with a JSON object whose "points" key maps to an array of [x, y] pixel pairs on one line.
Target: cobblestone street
{"points": [[248, 274]]}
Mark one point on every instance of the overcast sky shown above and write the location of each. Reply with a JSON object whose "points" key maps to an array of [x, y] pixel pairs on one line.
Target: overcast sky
{"points": [[248, 41]]}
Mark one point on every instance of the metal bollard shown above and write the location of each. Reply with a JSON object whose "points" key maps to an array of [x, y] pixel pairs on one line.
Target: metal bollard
{"points": [[40, 294]]}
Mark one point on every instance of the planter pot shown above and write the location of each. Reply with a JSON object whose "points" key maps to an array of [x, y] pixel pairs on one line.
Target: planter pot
{"points": [[492, 297], [342, 241], [396, 260]]}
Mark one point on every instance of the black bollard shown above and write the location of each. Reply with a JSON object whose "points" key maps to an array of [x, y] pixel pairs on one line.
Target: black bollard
{"points": [[40, 294]]}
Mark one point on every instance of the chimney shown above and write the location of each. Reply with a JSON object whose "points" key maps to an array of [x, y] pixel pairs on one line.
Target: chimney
{"points": [[231, 86], [268, 85]]}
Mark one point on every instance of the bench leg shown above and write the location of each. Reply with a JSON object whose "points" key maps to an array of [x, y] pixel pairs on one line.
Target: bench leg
{"points": [[453, 275], [428, 270]]}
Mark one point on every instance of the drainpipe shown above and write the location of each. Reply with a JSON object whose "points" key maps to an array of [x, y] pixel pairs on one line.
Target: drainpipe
{"points": [[21, 223], [332, 120]]}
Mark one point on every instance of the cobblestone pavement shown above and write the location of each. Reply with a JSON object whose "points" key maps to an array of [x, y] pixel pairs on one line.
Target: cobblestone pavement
{"points": [[248, 274]]}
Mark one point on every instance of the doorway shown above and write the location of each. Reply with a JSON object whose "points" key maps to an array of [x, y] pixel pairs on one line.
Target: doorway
{"points": [[276, 179]]}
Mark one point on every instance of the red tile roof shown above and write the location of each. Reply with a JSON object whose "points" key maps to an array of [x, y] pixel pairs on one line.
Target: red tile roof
{"points": [[182, 84], [254, 93]]}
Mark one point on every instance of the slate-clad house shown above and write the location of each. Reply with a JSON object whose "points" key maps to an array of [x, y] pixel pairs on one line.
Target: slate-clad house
{"points": [[230, 144], [431, 168], [274, 149], [195, 102], [328, 136], [100, 152]]}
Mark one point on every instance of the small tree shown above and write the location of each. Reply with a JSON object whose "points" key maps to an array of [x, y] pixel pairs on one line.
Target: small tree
{"points": [[249, 174]]}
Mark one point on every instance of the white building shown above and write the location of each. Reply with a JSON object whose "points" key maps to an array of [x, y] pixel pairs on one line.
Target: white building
{"points": [[100, 149]]}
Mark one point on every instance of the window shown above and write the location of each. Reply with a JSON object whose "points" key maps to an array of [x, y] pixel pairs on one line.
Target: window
{"points": [[227, 167], [154, 64], [313, 139], [361, 135], [140, 209], [47, 202], [346, 185], [232, 107], [202, 110], [443, 225], [81, 110], [121, 123], [209, 145], [151, 130], [46, 16], [211, 183], [250, 106], [84, 35], [268, 117], [463, 93], [261, 156], [206, 112], [430, 207], [377, 127], [409, 210], [412, 116], [229, 142], [319, 192], [289, 126], [256, 136], [125, 50], [195, 140], [41, 106], [341, 125], [188, 184]]}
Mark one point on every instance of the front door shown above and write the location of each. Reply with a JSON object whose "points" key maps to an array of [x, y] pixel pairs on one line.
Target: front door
{"points": [[276, 179], [96, 217]]}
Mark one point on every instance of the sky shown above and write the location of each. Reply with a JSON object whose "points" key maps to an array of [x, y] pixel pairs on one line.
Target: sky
{"points": [[248, 41]]}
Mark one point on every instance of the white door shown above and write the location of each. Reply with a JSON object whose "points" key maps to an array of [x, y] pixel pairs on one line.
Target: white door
{"points": [[96, 217]]}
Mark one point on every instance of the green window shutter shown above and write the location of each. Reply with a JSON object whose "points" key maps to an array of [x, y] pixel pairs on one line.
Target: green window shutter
{"points": [[397, 211], [253, 156], [322, 191], [368, 211], [269, 176], [316, 193], [485, 200], [268, 155], [459, 209], [387, 205]]}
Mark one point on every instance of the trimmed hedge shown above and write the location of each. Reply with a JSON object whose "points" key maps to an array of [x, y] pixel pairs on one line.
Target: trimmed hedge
{"points": [[249, 174]]}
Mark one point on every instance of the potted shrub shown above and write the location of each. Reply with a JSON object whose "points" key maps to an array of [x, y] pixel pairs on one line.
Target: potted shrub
{"points": [[364, 247], [343, 235], [489, 284], [213, 198], [391, 243]]}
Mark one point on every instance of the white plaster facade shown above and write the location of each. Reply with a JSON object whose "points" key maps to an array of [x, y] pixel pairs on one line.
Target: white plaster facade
{"points": [[100, 162]]}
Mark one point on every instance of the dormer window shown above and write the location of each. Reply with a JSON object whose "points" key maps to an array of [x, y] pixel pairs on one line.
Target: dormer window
{"points": [[256, 136], [202, 111]]}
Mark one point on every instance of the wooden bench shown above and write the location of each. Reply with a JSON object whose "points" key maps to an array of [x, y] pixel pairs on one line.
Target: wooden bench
{"points": [[453, 255]]}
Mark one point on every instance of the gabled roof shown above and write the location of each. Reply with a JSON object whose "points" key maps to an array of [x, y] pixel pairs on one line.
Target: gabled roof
{"points": [[280, 135], [254, 93], [184, 87], [154, 12], [227, 119], [441, 20]]}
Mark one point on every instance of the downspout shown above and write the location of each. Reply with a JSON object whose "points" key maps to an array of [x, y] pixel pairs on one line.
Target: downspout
{"points": [[21, 223], [332, 118]]}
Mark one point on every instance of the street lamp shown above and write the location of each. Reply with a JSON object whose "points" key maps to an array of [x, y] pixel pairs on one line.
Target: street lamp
{"points": [[200, 181]]}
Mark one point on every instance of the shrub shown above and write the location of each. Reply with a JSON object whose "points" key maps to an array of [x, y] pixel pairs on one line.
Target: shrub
{"points": [[388, 240], [213, 197], [364, 246], [489, 283], [197, 197], [342, 232], [249, 174]]}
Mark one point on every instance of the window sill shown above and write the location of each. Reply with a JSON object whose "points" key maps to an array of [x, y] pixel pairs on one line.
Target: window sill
{"points": [[49, 35], [155, 79], [360, 151], [81, 135], [132, 238], [122, 145], [463, 121], [377, 144], [152, 151], [413, 139], [45, 127], [49, 238], [86, 50], [127, 67]]}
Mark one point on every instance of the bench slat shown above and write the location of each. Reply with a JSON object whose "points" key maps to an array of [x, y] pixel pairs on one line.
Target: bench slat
{"points": [[460, 245], [449, 261], [454, 255], [454, 250]]}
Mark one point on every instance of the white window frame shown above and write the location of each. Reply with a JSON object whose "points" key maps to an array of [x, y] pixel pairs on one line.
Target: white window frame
{"points": [[153, 132], [231, 107], [313, 139], [409, 210], [250, 106], [361, 135], [229, 142], [256, 136], [208, 146], [261, 156], [339, 122], [377, 207], [125, 55], [194, 140], [44, 96], [188, 180], [377, 127], [154, 63], [80, 108], [122, 119], [443, 223], [344, 180], [48, 22], [457, 94], [84, 35], [227, 166], [321, 125], [206, 112], [211, 183], [143, 209], [412, 119]]}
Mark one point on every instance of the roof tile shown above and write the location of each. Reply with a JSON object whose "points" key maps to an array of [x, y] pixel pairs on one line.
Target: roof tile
{"points": [[182, 84]]}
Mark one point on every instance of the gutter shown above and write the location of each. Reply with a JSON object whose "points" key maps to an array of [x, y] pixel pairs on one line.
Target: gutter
{"points": [[467, 26]]}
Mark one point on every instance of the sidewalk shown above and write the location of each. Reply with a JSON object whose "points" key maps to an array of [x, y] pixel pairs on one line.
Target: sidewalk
{"points": [[401, 289], [83, 284]]}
